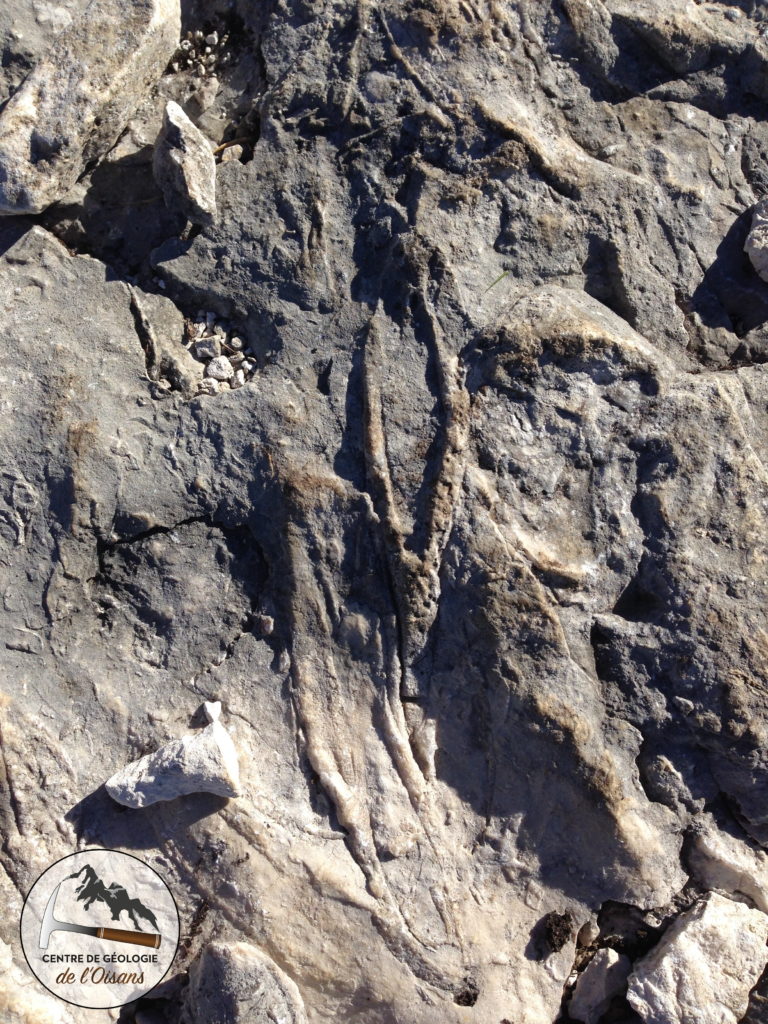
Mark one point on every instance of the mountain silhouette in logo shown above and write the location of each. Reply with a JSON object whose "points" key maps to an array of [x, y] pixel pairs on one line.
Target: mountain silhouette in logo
{"points": [[92, 890]]}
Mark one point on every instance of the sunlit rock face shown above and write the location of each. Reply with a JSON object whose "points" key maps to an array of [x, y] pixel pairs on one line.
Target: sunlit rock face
{"points": [[473, 549]]}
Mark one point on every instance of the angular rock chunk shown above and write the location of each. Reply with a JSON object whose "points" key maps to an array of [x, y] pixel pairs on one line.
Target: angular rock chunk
{"points": [[202, 763], [704, 967], [235, 983], [73, 105], [184, 167], [756, 245], [719, 861], [605, 977]]}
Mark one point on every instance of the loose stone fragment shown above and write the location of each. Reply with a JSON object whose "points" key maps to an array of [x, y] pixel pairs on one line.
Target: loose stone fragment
{"points": [[704, 967], [604, 977], [207, 348], [238, 379], [73, 105], [220, 369], [756, 245], [235, 983], [208, 386], [212, 710], [231, 153], [265, 624], [184, 167], [205, 762]]}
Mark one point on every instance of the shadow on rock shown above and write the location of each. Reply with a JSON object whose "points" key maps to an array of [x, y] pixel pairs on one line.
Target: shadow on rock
{"points": [[731, 295], [99, 821]]}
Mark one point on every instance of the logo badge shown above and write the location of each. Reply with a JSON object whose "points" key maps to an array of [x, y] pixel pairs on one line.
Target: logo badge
{"points": [[99, 928]]}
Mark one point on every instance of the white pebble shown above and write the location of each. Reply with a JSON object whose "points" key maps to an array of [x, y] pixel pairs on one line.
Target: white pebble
{"points": [[236, 343], [238, 379], [220, 368], [212, 39], [212, 710], [208, 386]]}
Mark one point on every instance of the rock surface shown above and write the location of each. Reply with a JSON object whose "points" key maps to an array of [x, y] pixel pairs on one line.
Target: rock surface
{"points": [[76, 101], [21, 1001], [703, 969], [756, 245], [475, 560], [235, 983], [604, 978], [722, 861], [184, 167], [205, 762]]}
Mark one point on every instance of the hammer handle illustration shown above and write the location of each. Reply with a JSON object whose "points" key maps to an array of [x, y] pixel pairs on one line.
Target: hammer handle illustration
{"points": [[123, 935]]}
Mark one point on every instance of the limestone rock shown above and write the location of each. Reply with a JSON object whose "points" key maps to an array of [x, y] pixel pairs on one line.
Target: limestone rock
{"points": [[71, 108], [205, 762], [756, 245], [235, 983], [704, 967], [604, 977], [479, 565], [21, 1001], [184, 167], [720, 861]]}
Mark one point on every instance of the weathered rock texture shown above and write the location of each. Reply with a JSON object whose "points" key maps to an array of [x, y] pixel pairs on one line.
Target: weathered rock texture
{"points": [[497, 484], [756, 245], [704, 967], [205, 762], [184, 167], [237, 984], [75, 103], [21, 999], [604, 978]]}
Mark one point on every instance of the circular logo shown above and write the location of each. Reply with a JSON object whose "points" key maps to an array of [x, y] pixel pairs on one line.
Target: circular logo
{"points": [[99, 928]]}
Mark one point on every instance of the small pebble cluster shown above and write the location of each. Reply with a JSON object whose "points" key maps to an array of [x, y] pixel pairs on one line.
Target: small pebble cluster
{"points": [[229, 363], [202, 53]]}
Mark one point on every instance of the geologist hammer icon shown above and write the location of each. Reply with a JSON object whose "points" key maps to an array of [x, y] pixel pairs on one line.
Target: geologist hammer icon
{"points": [[51, 924]]}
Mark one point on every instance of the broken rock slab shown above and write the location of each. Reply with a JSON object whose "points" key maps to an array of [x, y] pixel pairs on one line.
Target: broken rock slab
{"points": [[720, 861], [184, 167], [73, 105], [704, 967], [604, 977], [202, 763], [235, 983]]}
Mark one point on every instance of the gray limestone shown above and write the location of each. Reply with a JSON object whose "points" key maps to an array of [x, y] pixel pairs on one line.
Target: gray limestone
{"points": [[204, 762], [236, 983], [184, 167], [604, 978], [475, 564], [756, 245], [77, 99], [704, 967]]}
